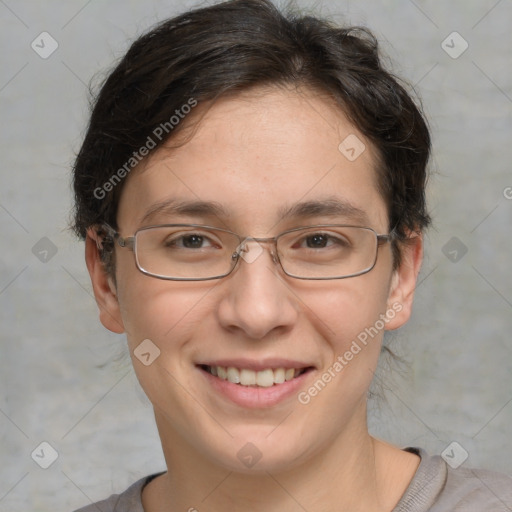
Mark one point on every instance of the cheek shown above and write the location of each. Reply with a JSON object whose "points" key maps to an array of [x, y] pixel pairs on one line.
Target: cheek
{"points": [[165, 312], [169, 314], [346, 308], [349, 315]]}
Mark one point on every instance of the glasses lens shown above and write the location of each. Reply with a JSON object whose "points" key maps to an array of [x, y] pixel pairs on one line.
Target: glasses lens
{"points": [[327, 252], [185, 252]]}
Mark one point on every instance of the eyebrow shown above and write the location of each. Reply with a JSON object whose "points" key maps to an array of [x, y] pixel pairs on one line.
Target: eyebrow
{"points": [[329, 207], [173, 207]]}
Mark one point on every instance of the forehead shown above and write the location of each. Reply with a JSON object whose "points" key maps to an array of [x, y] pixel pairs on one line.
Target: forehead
{"points": [[254, 158]]}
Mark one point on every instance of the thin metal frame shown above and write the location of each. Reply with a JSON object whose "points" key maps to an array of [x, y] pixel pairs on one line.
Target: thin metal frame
{"points": [[131, 241]]}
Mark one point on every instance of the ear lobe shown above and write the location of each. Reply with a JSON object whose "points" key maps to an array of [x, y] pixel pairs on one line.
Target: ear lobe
{"points": [[404, 280], [103, 287]]}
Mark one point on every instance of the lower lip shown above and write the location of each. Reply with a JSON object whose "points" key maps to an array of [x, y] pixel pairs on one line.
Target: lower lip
{"points": [[256, 397]]}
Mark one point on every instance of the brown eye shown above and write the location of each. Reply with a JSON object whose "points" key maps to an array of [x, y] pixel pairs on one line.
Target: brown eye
{"points": [[192, 241], [188, 241], [322, 241], [317, 241]]}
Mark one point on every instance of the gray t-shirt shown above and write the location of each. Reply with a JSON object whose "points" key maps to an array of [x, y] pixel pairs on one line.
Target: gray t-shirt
{"points": [[436, 487]]}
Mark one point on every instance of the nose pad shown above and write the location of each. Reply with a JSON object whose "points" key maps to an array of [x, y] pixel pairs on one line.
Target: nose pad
{"points": [[275, 257], [249, 250]]}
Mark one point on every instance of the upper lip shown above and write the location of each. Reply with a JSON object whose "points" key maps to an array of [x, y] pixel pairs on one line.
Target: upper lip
{"points": [[259, 365]]}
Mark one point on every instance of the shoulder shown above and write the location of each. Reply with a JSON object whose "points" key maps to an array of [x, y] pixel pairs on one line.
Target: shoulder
{"points": [[469, 489], [437, 487], [128, 501]]}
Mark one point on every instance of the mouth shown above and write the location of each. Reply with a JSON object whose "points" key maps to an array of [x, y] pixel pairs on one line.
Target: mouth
{"points": [[247, 377], [255, 385]]}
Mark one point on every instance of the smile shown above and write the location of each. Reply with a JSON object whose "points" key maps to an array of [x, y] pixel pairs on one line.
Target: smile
{"points": [[255, 384], [246, 377]]}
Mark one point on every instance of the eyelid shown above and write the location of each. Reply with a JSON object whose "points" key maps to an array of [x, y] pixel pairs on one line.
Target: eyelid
{"points": [[180, 232], [329, 235]]}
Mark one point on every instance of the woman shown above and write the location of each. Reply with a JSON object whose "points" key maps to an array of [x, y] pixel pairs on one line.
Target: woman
{"points": [[251, 191]]}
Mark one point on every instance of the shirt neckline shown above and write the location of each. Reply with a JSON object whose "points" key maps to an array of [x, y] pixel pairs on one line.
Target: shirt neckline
{"points": [[426, 484]]}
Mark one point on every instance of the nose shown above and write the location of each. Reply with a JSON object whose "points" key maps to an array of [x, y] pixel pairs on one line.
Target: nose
{"points": [[256, 299]]}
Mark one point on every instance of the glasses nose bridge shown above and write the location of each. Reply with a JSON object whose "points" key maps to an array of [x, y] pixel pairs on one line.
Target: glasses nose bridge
{"points": [[265, 240], [261, 241]]}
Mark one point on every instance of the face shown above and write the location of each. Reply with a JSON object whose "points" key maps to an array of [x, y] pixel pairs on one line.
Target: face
{"points": [[257, 155]]}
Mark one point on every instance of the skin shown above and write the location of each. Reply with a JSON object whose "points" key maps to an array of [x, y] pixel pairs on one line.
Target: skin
{"points": [[254, 153]]}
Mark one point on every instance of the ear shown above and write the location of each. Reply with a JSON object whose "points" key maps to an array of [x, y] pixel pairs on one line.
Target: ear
{"points": [[103, 285], [403, 281]]}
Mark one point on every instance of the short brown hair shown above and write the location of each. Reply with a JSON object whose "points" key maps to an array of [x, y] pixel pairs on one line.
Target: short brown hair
{"points": [[232, 46]]}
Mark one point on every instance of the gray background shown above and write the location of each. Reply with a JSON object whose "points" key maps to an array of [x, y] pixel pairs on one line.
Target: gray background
{"points": [[63, 377]]}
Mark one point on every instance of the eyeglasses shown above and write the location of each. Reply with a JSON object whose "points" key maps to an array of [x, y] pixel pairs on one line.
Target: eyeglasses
{"points": [[192, 252]]}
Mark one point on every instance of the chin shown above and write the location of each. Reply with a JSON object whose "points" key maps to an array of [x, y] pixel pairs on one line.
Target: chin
{"points": [[258, 452], [250, 460]]}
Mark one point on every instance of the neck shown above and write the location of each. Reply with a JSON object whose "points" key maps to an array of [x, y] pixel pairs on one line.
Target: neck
{"points": [[355, 472]]}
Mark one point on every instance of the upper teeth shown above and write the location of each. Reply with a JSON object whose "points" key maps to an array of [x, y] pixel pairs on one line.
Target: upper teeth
{"points": [[264, 378]]}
